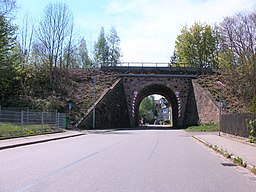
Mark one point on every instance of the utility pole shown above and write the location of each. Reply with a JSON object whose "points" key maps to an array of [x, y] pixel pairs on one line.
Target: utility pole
{"points": [[220, 105], [94, 101]]}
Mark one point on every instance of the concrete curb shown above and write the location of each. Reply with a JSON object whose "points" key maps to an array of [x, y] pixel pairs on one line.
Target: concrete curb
{"points": [[39, 141], [249, 165], [237, 138], [102, 131], [98, 131]]}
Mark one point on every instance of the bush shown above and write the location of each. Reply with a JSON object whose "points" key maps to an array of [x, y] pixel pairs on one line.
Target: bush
{"points": [[239, 161], [254, 104], [251, 126], [49, 104], [253, 169]]}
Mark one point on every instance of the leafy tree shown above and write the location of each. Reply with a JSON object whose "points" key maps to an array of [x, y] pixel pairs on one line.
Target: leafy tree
{"points": [[107, 50], [197, 47], [9, 80], [77, 55], [101, 50], [174, 58], [114, 47], [147, 108], [84, 59]]}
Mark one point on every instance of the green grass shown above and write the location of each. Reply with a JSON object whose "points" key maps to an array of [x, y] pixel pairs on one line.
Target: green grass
{"points": [[240, 161], [8, 130], [204, 128], [253, 170]]}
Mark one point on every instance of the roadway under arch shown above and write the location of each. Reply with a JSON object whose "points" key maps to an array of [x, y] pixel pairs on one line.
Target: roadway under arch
{"points": [[160, 90]]}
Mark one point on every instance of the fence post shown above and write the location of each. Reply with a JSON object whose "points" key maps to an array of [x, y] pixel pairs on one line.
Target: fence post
{"points": [[27, 114], [21, 122], [58, 120], [42, 120]]}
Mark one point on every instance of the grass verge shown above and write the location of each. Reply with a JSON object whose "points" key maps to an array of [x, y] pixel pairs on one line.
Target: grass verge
{"points": [[8, 130], [204, 128]]}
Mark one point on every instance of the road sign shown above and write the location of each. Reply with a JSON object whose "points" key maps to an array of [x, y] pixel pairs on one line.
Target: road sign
{"points": [[220, 104], [223, 103]]}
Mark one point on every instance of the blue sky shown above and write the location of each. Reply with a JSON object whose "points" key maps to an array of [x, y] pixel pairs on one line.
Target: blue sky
{"points": [[147, 28]]}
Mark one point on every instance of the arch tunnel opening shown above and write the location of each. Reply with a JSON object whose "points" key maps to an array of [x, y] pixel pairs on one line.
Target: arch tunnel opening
{"points": [[167, 96], [155, 110]]}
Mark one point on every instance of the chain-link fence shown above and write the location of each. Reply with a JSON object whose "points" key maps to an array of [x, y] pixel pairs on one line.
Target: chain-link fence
{"points": [[22, 122]]}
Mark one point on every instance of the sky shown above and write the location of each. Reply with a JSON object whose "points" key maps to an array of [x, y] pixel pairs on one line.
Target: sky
{"points": [[147, 28]]}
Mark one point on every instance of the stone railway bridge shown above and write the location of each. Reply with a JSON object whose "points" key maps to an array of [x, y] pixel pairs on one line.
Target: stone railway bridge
{"points": [[118, 107]]}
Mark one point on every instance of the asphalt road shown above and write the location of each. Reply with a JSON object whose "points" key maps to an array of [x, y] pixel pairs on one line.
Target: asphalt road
{"points": [[123, 161]]}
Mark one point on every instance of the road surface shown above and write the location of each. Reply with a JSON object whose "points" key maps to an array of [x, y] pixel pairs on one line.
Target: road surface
{"points": [[121, 161]]}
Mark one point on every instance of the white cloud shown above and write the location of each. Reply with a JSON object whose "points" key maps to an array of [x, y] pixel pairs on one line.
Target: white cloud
{"points": [[148, 28], [151, 36]]}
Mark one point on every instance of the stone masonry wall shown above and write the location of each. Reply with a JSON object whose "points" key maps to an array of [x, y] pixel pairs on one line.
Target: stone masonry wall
{"points": [[118, 106], [175, 85], [207, 110], [111, 110]]}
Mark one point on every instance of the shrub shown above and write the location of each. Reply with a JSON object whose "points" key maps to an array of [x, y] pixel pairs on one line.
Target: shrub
{"points": [[49, 104], [254, 104], [239, 161], [251, 126], [253, 169]]}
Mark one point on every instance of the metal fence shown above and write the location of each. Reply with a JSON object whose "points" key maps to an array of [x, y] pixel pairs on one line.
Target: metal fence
{"points": [[24, 119], [235, 124], [143, 64]]}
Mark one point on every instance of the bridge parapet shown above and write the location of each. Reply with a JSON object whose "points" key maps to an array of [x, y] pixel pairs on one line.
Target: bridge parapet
{"points": [[144, 64], [155, 68]]}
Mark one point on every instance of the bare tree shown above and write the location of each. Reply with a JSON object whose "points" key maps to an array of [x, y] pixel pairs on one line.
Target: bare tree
{"points": [[240, 38], [55, 30], [7, 6], [239, 51], [26, 38], [69, 49]]}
